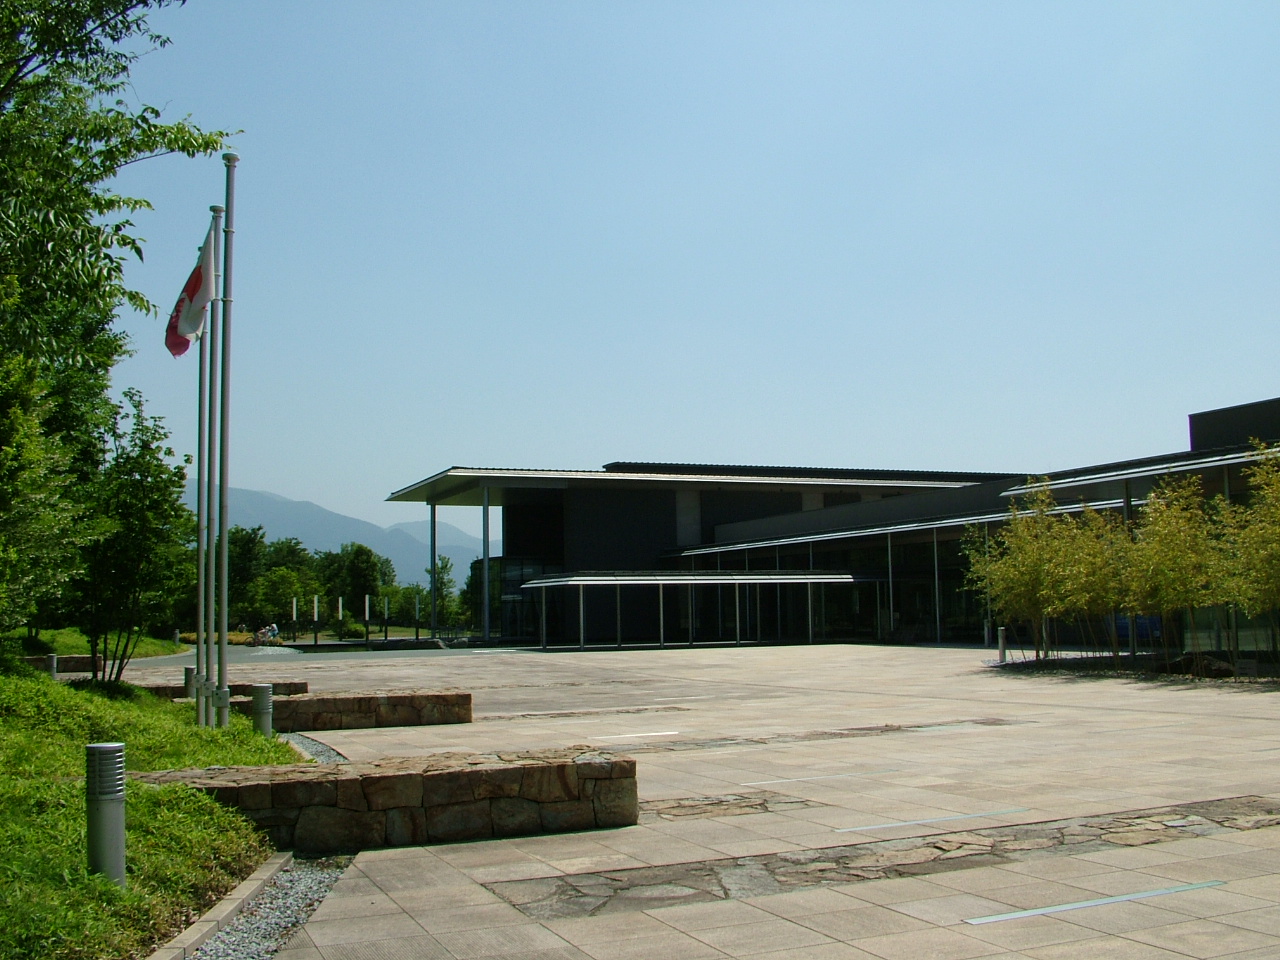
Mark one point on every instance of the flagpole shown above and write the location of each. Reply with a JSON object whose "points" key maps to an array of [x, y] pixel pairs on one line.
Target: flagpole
{"points": [[211, 455], [202, 481], [224, 439]]}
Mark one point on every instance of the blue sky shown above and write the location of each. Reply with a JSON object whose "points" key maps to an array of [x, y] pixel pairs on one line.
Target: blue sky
{"points": [[990, 236]]}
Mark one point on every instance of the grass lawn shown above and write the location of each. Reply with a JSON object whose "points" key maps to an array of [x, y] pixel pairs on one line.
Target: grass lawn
{"points": [[183, 849], [68, 640]]}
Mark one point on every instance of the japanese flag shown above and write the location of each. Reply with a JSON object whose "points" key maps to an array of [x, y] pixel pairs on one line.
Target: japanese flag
{"points": [[186, 323]]}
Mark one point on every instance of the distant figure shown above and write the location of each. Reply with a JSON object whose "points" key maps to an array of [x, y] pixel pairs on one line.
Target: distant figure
{"points": [[272, 632]]}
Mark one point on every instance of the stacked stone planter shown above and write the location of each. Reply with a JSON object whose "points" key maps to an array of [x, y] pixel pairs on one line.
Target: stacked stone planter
{"points": [[327, 808], [357, 711]]}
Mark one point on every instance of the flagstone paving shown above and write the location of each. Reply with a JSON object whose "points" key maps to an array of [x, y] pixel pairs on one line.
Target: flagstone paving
{"points": [[830, 802]]}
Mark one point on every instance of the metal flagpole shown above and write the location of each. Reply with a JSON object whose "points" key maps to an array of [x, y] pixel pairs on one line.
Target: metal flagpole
{"points": [[202, 481], [224, 439], [211, 460]]}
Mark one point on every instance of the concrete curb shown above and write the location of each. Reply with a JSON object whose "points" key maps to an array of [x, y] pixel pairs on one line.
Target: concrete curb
{"points": [[186, 943]]}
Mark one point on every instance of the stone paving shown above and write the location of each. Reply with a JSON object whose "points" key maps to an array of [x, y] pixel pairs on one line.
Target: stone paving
{"points": [[835, 802]]}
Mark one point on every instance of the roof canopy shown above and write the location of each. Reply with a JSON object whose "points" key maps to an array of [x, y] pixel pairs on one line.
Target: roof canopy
{"points": [[463, 486], [697, 578]]}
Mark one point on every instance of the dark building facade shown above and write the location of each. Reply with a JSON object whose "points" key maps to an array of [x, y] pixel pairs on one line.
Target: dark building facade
{"points": [[641, 553]]}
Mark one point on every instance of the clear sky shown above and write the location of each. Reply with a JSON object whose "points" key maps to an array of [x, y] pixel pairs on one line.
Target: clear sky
{"points": [[963, 236]]}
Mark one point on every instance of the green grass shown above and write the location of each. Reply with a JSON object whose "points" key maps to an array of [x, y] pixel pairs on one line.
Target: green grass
{"points": [[183, 849], [68, 641]]}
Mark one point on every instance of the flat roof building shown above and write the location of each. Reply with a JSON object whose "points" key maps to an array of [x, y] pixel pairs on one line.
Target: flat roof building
{"points": [[652, 553]]}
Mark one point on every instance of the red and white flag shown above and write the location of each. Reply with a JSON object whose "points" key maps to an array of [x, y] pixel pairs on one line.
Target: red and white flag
{"points": [[186, 323]]}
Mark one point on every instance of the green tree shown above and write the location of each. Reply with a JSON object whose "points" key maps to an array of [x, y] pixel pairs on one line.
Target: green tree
{"points": [[271, 596], [1089, 568], [1177, 556], [135, 572], [246, 562], [66, 130], [1016, 566], [448, 610], [1251, 542], [41, 530]]}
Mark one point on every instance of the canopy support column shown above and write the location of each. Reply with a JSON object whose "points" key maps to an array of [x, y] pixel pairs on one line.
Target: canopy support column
{"points": [[435, 576], [809, 604], [737, 615], [937, 589], [582, 618], [888, 539], [542, 612], [484, 593], [662, 618]]}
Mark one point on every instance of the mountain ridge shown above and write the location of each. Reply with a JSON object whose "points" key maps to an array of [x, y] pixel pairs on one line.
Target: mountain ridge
{"points": [[406, 544]]}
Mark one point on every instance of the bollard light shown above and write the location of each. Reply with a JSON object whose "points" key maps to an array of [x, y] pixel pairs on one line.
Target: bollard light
{"points": [[262, 708], [51, 664], [189, 682], [222, 700], [1000, 640], [104, 802]]}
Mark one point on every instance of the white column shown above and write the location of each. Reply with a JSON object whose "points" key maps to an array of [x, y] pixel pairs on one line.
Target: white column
{"points": [[485, 592]]}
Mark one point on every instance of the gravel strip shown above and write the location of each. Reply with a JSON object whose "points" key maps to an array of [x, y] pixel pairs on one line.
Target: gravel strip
{"points": [[321, 751], [275, 914]]}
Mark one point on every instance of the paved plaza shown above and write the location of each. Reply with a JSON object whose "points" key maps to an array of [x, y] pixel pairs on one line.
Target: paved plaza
{"points": [[834, 802]]}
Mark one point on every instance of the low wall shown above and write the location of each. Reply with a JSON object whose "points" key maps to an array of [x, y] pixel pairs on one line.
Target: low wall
{"points": [[326, 808], [71, 663], [357, 711]]}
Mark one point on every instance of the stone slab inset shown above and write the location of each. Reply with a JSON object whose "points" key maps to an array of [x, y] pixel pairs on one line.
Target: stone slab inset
{"points": [[325, 808]]}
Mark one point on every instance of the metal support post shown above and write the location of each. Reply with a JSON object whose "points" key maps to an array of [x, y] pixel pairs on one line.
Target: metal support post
{"points": [[582, 619], [1000, 643], [617, 610], [809, 606], [104, 801], [542, 618]]}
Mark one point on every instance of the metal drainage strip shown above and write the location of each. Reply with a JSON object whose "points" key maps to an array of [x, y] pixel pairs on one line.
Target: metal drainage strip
{"points": [[1081, 904]]}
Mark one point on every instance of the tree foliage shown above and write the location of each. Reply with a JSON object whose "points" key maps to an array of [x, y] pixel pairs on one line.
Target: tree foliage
{"points": [[141, 565], [74, 482]]}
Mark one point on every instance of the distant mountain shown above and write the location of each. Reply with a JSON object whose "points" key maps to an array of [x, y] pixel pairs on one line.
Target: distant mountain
{"points": [[408, 545]]}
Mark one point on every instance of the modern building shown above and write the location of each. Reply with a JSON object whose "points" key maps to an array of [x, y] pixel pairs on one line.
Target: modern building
{"points": [[663, 553]]}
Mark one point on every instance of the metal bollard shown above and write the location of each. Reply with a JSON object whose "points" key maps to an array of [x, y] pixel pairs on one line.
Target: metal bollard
{"points": [[104, 802], [1000, 640], [189, 682], [262, 708], [51, 663]]}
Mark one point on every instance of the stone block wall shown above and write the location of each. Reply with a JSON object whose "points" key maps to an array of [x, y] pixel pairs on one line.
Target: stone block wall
{"points": [[355, 711], [327, 808], [71, 663]]}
